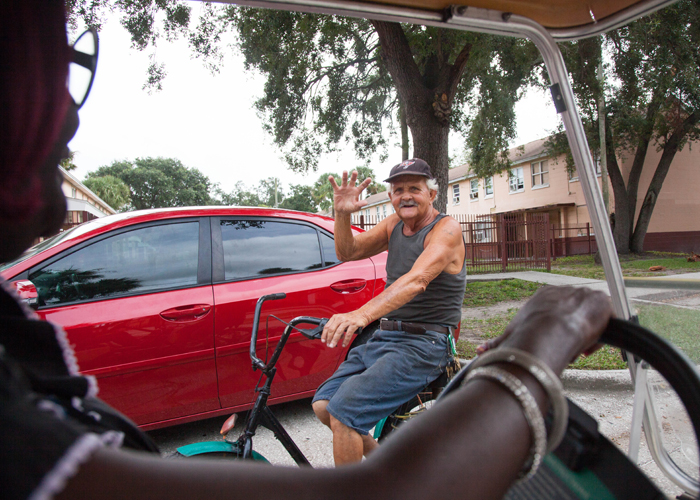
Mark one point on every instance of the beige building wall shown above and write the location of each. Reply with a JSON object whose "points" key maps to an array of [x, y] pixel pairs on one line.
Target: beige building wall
{"points": [[678, 206]]}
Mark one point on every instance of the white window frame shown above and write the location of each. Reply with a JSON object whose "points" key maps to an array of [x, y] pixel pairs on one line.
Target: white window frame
{"points": [[488, 185], [542, 169], [482, 232], [474, 190], [384, 211], [516, 180], [455, 194]]}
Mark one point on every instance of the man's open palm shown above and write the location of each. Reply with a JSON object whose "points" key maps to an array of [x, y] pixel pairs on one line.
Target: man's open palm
{"points": [[346, 197]]}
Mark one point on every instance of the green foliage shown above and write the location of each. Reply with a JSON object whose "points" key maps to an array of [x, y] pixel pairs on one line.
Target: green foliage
{"points": [[325, 82], [240, 197], [159, 182], [323, 191], [266, 191], [301, 198], [332, 81], [67, 163], [487, 293], [112, 190]]}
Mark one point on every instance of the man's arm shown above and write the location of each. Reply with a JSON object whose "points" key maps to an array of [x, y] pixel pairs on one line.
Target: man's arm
{"points": [[438, 256], [346, 200]]}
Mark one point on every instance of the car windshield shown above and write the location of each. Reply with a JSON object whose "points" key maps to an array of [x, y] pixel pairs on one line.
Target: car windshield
{"points": [[39, 247]]}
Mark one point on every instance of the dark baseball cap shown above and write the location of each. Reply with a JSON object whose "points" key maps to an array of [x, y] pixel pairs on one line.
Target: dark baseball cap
{"points": [[414, 166]]}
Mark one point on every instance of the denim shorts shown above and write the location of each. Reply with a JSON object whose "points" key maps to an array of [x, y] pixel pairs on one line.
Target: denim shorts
{"points": [[377, 377]]}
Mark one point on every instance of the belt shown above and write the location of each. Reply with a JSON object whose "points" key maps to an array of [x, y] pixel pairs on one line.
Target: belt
{"points": [[411, 327]]}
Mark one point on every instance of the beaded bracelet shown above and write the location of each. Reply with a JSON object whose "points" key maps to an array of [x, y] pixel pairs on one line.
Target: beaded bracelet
{"points": [[532, 413], [547, 379]]}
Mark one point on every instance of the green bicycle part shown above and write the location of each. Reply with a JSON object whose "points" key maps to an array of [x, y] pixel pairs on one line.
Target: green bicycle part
{"points": [[378, 428], [206, 447]]}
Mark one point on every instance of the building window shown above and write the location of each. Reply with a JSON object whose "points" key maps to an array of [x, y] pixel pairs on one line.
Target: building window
{"points": [[516, 180], [377, 214], [73, 193], [488, 186], [455, 194], [474, 189], [384, 211], [540, 174]]}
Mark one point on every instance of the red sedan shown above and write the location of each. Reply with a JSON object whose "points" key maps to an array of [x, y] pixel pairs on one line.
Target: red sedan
{"points": [[158, 304]]}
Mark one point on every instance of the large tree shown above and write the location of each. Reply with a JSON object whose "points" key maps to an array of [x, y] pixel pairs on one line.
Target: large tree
{"points": [[652, 101], [333, 80], [159, 182]]}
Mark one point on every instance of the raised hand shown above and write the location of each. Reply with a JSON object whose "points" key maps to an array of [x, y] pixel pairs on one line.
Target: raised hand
{"points": [[346, 197]]}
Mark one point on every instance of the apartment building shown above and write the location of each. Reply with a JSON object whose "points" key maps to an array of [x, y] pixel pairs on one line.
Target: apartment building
{"points": [[538, 183], [82, 204]]}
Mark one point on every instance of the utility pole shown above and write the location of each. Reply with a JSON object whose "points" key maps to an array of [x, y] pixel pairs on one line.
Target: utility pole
{"points": [[277, 204]]}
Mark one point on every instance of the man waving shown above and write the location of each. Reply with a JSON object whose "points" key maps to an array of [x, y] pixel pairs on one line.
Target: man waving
{"points": [[419, 307]]}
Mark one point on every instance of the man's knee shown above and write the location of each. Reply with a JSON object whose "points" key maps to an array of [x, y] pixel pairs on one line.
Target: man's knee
{"points": [[322, 414]]}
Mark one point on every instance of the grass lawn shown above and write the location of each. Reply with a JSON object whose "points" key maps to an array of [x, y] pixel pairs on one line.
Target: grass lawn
{"points": [[488, 293], [606, 358], [632, 265], [680, 326]]}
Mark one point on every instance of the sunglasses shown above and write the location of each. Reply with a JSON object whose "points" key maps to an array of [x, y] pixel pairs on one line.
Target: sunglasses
{"points": [[81, 72]]}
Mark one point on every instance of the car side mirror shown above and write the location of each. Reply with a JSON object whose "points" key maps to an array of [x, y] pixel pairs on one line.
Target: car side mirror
{"points": [[27, 293]]}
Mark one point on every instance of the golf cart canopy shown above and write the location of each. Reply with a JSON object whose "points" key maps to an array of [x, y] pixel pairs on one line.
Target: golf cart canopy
{"points": [[563, 19]]}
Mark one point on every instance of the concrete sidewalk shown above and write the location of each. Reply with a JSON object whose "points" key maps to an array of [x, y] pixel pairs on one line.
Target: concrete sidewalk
{"points": [[685, 299]]}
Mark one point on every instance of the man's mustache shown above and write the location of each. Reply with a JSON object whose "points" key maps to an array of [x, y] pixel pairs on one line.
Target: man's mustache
{"points": [[408, 204]]}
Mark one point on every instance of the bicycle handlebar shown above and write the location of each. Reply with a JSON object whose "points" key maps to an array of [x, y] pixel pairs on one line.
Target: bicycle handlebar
{"points": [[257, 362], [314, 333]]}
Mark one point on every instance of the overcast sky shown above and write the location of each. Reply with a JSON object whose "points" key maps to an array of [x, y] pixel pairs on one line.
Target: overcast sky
{"points": [[207, 121]]}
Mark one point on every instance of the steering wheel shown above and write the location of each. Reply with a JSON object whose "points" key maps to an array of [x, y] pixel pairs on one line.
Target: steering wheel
{"points": [[678, 370]]}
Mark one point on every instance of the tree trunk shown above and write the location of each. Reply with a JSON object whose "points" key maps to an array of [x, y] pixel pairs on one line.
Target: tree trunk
{"points": [[404, 132], [431, 144], [670, 149], [427, 98], [622, 223]]}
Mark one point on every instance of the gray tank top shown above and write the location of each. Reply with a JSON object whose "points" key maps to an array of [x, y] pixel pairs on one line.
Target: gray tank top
{"points": [[441, 303]]}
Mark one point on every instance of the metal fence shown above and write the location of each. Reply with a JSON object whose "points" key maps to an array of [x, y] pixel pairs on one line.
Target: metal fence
{"points": [[506, 242], [572, 240], [498, 242]]}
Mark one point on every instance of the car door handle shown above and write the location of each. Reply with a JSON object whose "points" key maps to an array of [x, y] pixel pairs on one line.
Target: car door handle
{"points": [[186, 313], [349, 286]]}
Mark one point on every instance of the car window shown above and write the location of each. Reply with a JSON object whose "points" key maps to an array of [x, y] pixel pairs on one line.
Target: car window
{"points": [[142, 260], [254, 248], [329, 256]]}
